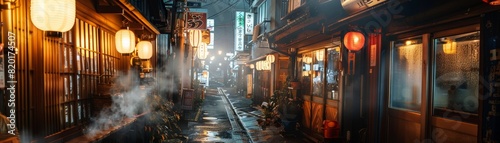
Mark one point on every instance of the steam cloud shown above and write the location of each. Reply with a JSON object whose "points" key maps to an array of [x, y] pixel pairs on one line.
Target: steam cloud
{"points": [[128, 99]]}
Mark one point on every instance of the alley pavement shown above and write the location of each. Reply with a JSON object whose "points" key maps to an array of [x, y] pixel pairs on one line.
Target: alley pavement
{"points": [[214, 122], [247, 118], [227, 117]]}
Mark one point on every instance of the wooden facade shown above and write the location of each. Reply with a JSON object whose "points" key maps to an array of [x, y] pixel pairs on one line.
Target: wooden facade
{"points": [[57, 76], [364, 107]]}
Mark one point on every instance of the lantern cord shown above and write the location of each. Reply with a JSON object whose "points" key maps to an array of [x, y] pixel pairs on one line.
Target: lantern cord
{"points": [[126, 20]]}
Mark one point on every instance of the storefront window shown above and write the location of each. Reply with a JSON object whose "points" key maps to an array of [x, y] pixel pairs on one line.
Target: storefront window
{"points": [[318, 70], [456, 76], [306, 73], [406, 74], [332, 73]]}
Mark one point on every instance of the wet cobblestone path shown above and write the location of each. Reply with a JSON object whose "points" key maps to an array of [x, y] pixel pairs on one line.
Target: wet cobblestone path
{"points": [[215, 122]]}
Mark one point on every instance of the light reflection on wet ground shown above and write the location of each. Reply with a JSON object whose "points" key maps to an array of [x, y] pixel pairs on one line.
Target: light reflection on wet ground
{"points": [[213, 125]]}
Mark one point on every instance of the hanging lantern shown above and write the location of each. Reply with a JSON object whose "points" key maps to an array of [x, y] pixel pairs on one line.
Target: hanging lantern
{"points": [[320, 54], [202, 51], [450, 47], [55, 15], [270, 58], [195, 37], [252, 66], [354, 41], [205, 36], [258, 66], [263, 65], [125, 41], [268, 65], [492, 2], [145, 49]]}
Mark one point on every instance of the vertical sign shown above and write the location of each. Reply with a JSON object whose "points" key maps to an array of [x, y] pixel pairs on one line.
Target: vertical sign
{"points": [[211, 27], [249, 83], [373, 55], [196, 20], [490, 62], [249, 23], [239, 31]]}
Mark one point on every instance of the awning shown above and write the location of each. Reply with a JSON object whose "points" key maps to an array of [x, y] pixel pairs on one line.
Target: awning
{"points": [[256, 59]]}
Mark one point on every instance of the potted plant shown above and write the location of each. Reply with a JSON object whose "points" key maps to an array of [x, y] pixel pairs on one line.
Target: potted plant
{"points": [[281, 109]]}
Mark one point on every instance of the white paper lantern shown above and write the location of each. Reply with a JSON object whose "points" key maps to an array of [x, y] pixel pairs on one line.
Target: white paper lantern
{"points": [[267, 65], [258, 65], [195, 37], [270, 58], [202, 51], [145, 49], [125, 41], [53, 15]]}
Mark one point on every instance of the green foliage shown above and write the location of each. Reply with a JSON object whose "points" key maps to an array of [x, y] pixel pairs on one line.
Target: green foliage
{"points": [[281, 102]]}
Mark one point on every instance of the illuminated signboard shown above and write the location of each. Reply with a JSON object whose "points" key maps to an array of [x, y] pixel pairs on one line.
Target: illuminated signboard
{"points": [[249, 23], [196, 20], [239, 31], [211, 27]]}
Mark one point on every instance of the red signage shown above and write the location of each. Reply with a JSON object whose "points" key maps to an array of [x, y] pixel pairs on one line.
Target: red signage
{"points": [[196, 20]]}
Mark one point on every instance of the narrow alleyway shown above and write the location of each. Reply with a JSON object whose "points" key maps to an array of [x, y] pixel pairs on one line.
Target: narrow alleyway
{"points": [[215, 122], [227, 117]]}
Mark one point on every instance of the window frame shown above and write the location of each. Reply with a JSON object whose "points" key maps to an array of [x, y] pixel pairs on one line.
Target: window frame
{"points": [[453, 115], [423, 88]]}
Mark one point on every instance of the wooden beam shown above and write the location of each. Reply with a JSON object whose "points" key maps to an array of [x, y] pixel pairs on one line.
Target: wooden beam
{"points": [[108, 9]]}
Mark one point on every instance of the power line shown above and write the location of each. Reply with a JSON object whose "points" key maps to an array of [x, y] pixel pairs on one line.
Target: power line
{"points": [[224, 9]]}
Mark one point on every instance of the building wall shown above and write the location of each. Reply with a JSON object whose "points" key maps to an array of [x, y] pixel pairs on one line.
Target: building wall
{"points": [[56, 77]]}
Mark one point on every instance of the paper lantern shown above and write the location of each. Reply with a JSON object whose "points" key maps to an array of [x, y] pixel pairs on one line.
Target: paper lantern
{"points": [[252, 66], [53, 15], [450, 47], [354, 41], [266, 65], [258, 65], [202, 51], [492, 2], [262, 65], [320, 54], [206, 36], [270, 58], [195, 37], [125, 41], [144, 49]]}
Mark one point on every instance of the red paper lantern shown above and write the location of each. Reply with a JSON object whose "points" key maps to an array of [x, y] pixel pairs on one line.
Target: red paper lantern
{"points": [[354, 41], [492, 2]]}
